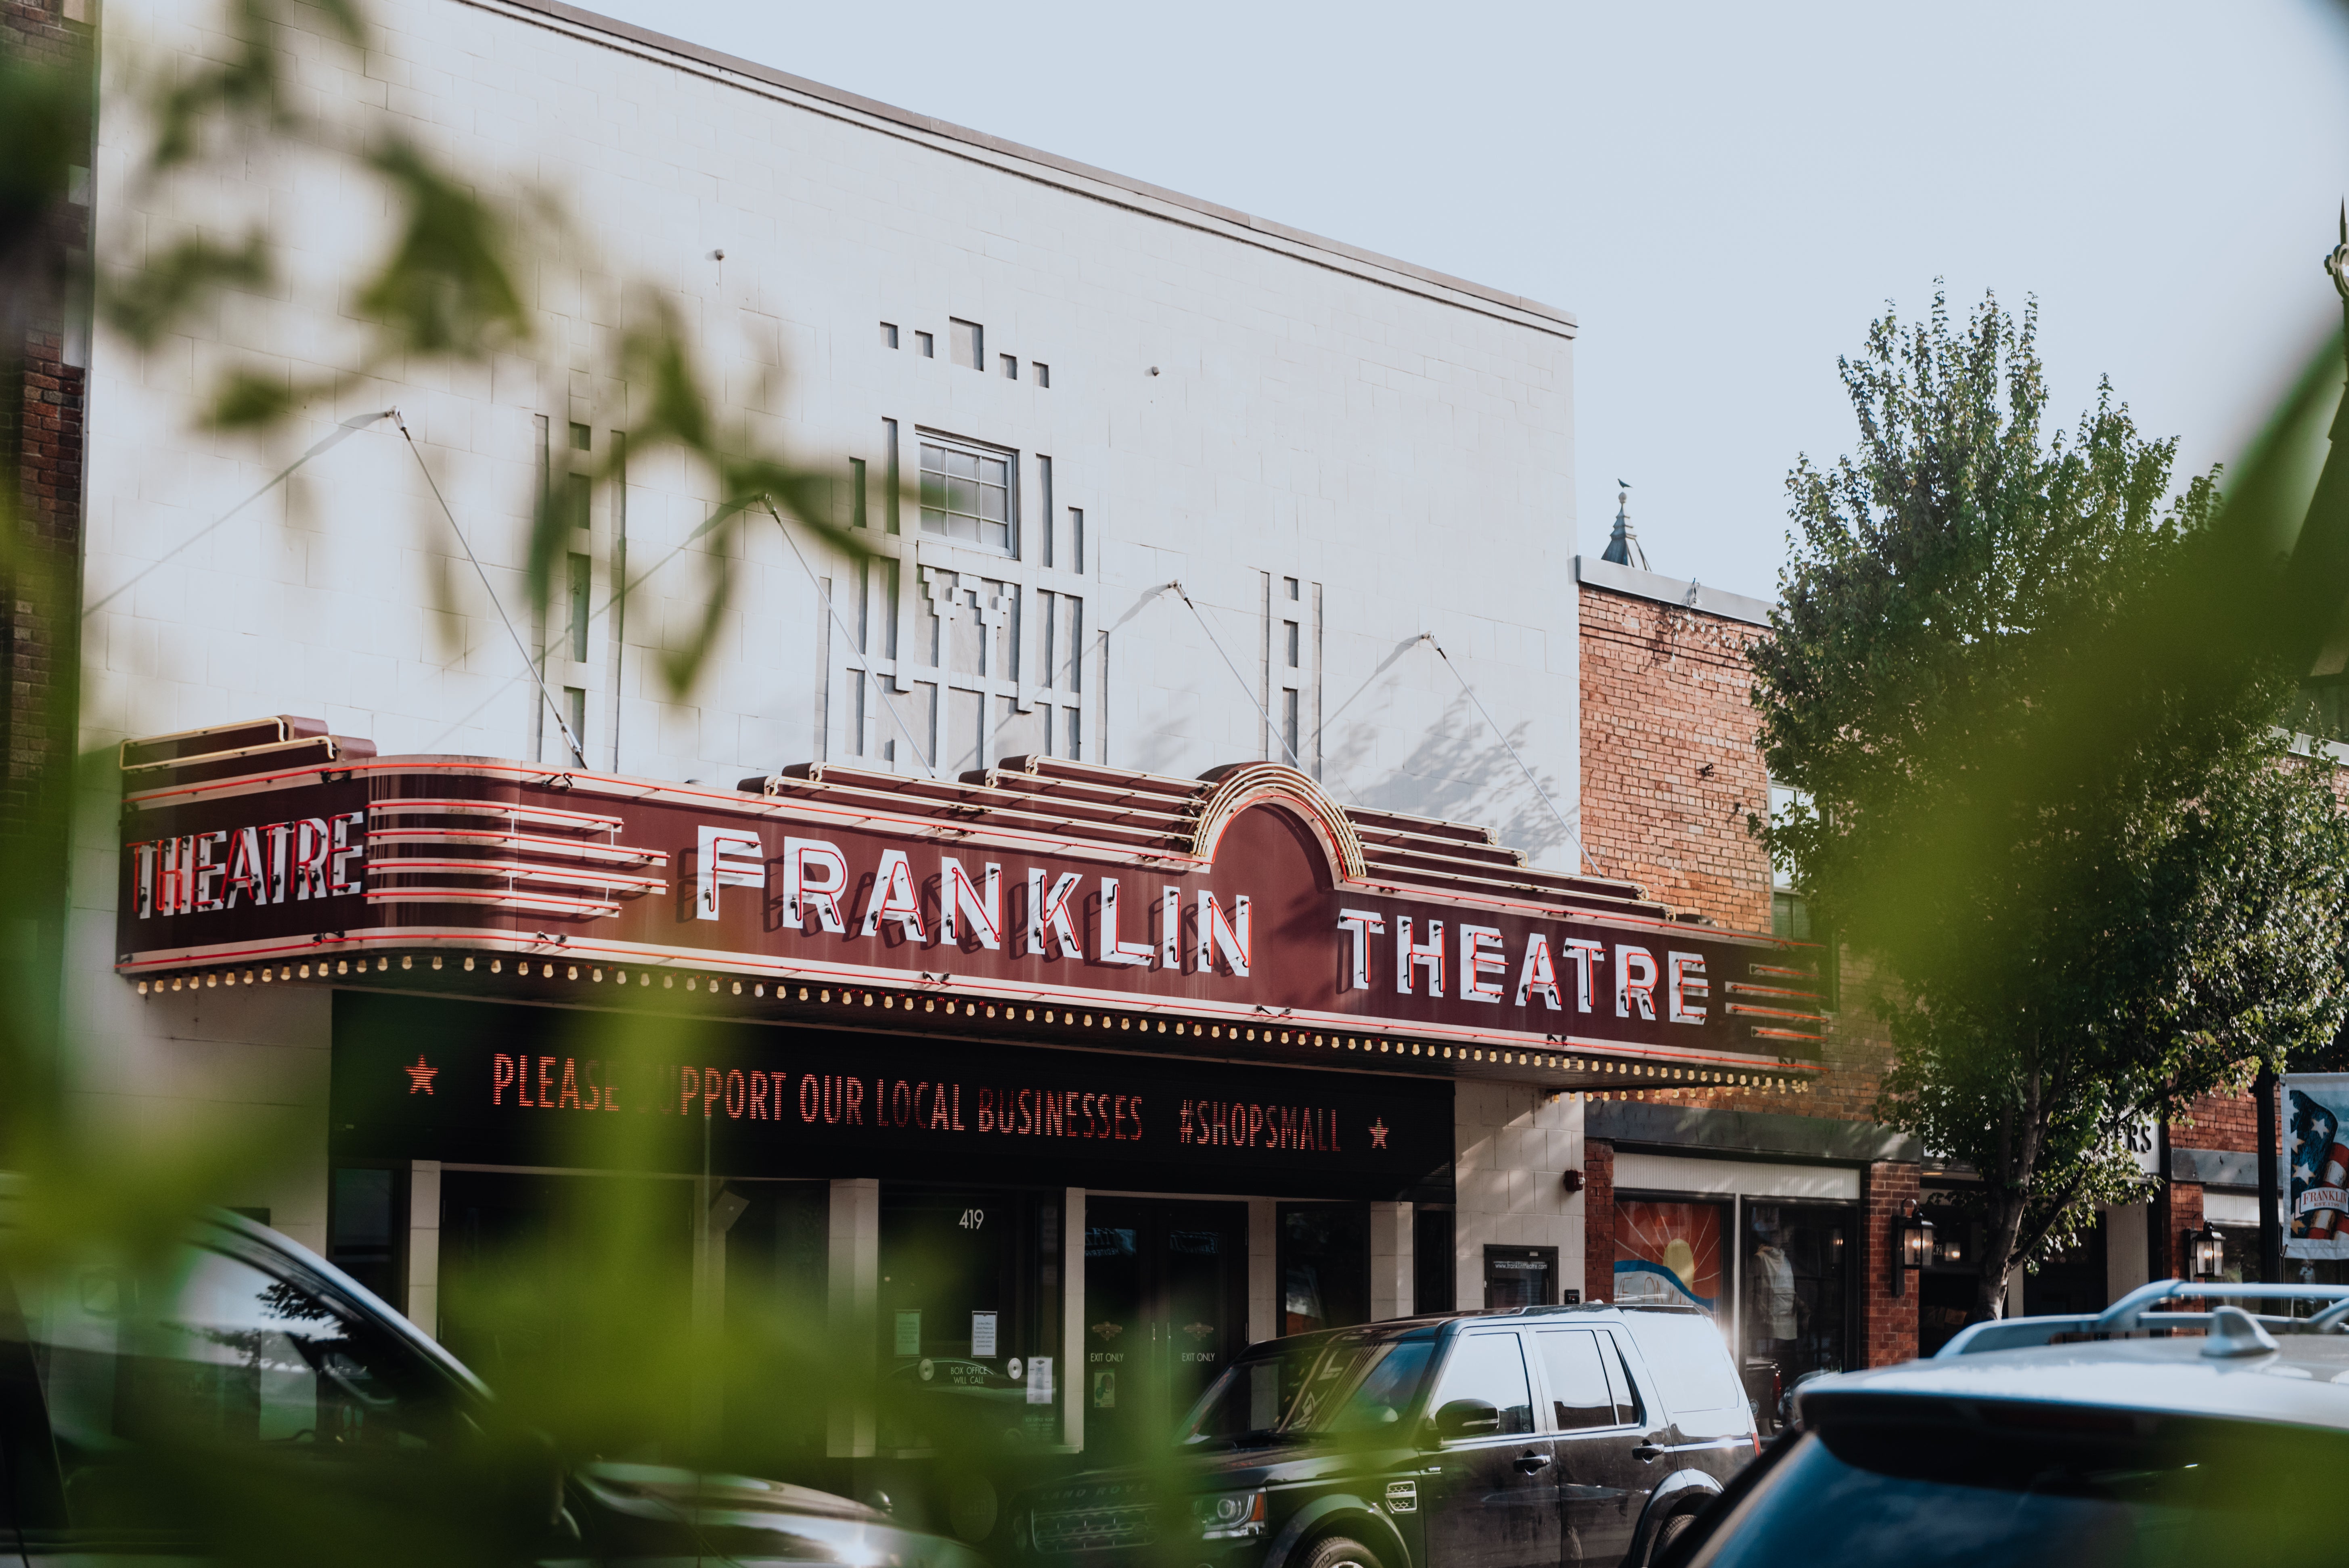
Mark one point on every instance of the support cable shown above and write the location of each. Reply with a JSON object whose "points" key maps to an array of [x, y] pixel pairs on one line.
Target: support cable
{"points": [[578, 753], [1176, 589], [842, 626], [326, 444], [1429, 638]]}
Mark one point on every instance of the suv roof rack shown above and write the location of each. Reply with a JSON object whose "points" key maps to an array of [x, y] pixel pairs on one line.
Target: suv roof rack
{"points": [[2130, 1315]]}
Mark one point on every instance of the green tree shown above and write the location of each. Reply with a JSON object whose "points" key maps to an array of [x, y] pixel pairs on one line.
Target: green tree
{"points": [[2078, 926]]}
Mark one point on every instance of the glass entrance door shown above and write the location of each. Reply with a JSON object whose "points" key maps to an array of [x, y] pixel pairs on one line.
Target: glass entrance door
{"points": [[1165, 1309]]}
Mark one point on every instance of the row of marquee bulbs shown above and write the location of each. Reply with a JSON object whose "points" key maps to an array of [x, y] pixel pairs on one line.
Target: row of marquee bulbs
{"points": [[1010, 1012]]}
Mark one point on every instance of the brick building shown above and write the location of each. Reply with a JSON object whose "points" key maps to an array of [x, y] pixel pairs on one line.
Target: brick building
{"points": [[1671, 778]]}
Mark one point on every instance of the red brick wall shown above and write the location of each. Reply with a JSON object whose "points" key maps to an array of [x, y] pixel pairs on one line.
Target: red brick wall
{"points": [[1891, 1332], [2176, 1208], [1669, 765], [1597, 1220], [2229, 1121], [1665, 696], [41, 426]]}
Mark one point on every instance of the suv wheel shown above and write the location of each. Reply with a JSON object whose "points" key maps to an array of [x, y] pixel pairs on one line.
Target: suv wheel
{"points": [[1667, 1532], [1339, 1552]]}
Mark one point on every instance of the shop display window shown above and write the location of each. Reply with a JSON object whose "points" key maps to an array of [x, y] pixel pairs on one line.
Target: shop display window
{"points": [[1797, 1307], [969, 1319], [1325, 1267], [1670, 1252]]}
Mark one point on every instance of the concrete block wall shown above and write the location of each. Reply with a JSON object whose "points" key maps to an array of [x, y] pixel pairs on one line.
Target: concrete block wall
{"points": [[1513, 1146]]}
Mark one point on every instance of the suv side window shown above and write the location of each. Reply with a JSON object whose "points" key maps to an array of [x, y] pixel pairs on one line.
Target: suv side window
{"points": [[1491, 1367], [211, 1359], [1622, 1385], [1687, 1356], [1579, 1390]]}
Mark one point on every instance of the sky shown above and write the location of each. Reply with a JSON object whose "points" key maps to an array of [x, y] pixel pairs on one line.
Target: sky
{"points": [[1725, 196]]}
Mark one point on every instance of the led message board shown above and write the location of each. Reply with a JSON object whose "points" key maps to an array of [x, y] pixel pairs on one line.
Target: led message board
{"points": [[470, 1082]]}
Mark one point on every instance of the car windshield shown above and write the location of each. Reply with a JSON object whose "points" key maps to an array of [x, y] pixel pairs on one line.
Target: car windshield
{"points": [[2039, 1487]]}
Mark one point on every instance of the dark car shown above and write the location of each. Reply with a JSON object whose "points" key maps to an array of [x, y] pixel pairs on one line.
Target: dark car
{"points": [[240, 1396], [1533, 1438], [2080, 1442]]}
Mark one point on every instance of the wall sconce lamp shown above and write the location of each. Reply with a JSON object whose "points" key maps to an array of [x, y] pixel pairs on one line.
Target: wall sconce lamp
{"points": [[1573, 1180], [1912, 1244], [2205, 1256]]}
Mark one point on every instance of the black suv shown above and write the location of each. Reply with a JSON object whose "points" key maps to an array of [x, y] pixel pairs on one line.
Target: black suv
{"points": [[1533, 1438]]}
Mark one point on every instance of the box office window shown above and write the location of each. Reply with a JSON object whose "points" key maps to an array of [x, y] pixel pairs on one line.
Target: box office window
{"points": [[1520, 1276], [1325, 1265], [965, 1313]]}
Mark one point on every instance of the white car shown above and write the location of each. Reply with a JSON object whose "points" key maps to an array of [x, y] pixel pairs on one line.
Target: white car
{"points": [[2130, 1436]]}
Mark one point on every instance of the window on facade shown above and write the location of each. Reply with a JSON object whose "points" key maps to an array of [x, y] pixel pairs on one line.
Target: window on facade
{"points": [[1289, 726], [1011, 367], [967, 494], [580, 438], [1289, 631], [888, 334], [1790, 915], [1043, 373], [970, 340], [582, 579], [925, 345], [1788, 918], [574, 712]]}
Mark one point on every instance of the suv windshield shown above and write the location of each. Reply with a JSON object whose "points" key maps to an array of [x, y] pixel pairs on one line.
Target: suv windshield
{"points": [[2039, 1487], [1254, 1393], [1312, 1385]]}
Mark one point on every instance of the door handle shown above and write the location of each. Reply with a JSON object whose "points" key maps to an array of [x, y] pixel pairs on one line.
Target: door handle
{"points": [[1647, 1453], [1533, 1463]]}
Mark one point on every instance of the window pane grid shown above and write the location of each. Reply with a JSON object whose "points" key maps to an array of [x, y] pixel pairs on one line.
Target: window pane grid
{"points": [[966, 495]]}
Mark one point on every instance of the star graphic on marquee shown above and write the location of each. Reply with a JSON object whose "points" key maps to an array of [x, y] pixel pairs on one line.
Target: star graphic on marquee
{"points": [[1379, 1130], [421, 1076]]}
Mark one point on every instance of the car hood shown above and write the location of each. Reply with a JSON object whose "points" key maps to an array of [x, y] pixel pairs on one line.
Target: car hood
{"points": [[659, 1511]]}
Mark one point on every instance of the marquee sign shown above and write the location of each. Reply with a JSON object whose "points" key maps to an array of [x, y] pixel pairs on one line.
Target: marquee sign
{"points": [[1256, 901]]}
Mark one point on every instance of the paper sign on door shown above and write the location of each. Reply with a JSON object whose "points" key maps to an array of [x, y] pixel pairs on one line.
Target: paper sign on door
{"points": [[982, 1336], [1039, 1379]]}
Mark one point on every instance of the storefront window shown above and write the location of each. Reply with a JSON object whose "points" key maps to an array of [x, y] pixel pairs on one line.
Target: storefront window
{"points": [[1798, 1296], [967, 1334], [1325, 1267], [367, 1227], [1669, 1252]]}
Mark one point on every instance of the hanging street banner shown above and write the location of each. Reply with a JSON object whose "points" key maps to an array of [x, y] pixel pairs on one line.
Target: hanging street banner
{"points": [[2316, 1206]]}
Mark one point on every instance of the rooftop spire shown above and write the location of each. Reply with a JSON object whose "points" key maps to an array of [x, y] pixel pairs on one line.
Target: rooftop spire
{"points": [[1623, 545]]}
